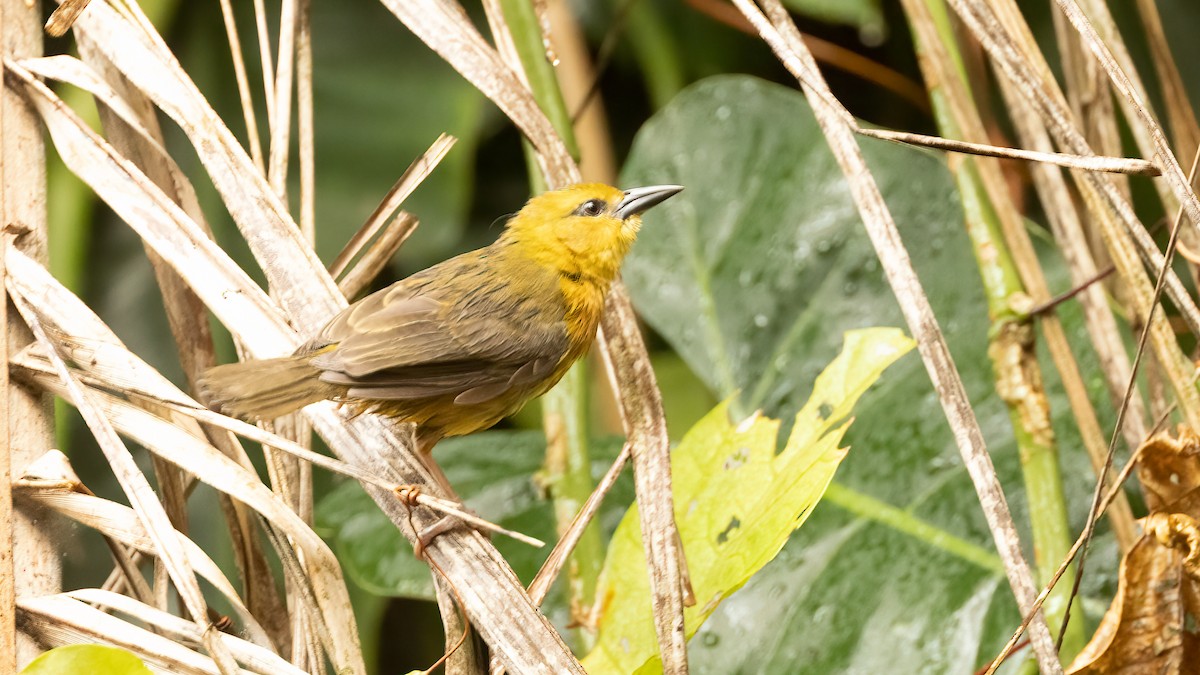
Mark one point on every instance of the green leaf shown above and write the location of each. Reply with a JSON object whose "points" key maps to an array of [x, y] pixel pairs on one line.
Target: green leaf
{"points": [[752, 274], [736, 501], [73, 659]]}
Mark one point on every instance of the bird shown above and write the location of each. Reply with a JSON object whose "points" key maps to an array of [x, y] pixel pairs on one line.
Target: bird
{"points": [[457, 347]]}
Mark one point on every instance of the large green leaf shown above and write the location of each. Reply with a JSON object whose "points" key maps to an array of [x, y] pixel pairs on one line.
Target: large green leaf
{"points": [[736, 502], [73, 659], [752, 275]]}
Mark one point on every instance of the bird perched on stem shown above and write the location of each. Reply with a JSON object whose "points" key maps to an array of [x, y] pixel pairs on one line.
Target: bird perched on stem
{"points": [[457, 347]]}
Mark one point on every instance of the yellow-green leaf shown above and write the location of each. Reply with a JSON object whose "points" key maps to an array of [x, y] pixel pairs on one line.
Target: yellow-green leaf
{"points": [[73, 659], [736, 502]]}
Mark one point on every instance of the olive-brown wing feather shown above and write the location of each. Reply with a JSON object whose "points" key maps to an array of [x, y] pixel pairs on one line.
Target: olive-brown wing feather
{"points": [[420, 340]]}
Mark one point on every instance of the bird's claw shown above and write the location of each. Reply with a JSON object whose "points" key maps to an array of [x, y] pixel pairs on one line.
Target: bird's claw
{"points": [[426, 535]]}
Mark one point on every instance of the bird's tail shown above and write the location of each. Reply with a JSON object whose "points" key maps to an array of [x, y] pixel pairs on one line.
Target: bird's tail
{"points": [[266, 389]]}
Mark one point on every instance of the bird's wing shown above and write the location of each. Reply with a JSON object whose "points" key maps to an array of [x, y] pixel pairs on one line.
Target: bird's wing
{"points": [[421, 338]]}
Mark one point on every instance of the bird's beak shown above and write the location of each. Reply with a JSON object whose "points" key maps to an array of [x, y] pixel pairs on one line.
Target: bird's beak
{"points": [[638, 200]]}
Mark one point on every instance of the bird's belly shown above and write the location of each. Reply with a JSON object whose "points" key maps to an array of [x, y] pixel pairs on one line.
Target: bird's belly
{"points": [[442, 414]]}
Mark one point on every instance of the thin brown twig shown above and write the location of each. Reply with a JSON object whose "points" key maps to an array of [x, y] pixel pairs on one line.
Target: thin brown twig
{"points": [[1122, 165], [550, 569], [1020, 645], [359, 277], [243, 86], [279, 148], [304, 120], [1054, 302]]}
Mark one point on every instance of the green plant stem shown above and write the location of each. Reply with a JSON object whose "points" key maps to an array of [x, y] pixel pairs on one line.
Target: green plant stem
{"points": [[527, 36], [567, 472], [655, 48], [1011, 341], [567, 475]]}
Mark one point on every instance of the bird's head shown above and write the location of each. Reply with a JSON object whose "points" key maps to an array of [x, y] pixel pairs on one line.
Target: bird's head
{"points": [[585, 230]]}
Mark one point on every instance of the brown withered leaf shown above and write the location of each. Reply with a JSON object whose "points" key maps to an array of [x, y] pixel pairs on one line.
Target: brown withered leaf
{"points": [[1142, 631], [1151, 626], [1170, 468]]}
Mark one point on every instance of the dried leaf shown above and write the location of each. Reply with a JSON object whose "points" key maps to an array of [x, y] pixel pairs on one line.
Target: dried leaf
{"points": [[1151, 626], [1143, 630], [1169, 468]]}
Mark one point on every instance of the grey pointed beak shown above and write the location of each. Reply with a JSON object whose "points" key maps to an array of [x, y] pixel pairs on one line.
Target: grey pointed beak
{"points": [[637, 200]]}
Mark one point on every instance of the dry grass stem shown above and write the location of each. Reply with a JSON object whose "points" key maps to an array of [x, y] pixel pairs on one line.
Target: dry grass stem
{"points": [[26, 422], [781, 34], [1124, 165], [60, 620], [122, 524], [243, 86], [416, 172], [359, 277], [304, 120], [63, 17], [268, 69], [137, 489], [252, 656], [281, 119]]}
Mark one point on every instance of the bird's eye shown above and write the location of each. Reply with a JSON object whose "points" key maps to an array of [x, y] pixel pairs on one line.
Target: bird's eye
{"points": [[592, 207]]}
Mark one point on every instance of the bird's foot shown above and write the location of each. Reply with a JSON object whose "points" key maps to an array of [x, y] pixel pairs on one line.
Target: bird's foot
{"points": [[439, 527]]}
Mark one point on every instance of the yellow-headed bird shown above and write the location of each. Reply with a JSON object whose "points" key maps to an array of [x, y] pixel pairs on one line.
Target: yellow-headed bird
{"points": [[457, 347]]}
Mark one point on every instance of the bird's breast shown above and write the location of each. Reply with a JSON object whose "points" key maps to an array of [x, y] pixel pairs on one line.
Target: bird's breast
{"points": [[583, 301]]}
